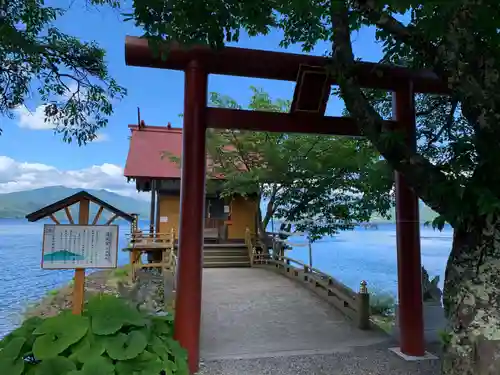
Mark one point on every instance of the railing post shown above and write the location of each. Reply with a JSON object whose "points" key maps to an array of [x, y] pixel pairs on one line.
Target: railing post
{"points": [[134, 224], [363, 300]]}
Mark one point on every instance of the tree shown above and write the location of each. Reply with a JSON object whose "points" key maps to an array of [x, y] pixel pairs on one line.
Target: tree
{"points": [[458, 175], [338, 182], [69, 76]]}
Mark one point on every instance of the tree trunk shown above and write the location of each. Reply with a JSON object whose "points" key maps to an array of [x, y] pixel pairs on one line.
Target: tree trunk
{"points": [[472, 300]]}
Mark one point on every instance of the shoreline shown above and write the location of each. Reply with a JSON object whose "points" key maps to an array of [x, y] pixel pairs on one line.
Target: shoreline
{"points": [[147, 291]]}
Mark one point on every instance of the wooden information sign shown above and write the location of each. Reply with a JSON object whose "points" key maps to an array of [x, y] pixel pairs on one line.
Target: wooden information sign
{"points": [[79, 245]]}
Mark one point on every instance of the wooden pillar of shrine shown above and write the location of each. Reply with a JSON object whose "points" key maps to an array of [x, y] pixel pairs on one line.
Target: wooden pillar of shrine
{"points": [[408, 239], [189, 278]]}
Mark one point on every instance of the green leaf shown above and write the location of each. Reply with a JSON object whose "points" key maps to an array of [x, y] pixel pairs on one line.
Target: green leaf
{"points": [[59, 333], [11, 358], [439, 222], [13, 348], [176, 349], [159, 347], [145, 364], [126, 346], [55, 366], [11, 366], [109, 314], [25, 331], [69, 75], [182, 367], [98, 366], [171, 367], [88, 348], [163, 327]]}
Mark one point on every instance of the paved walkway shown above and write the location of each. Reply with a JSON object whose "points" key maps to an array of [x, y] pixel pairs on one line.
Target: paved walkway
{"points": [[252, 312], [255, 321]]}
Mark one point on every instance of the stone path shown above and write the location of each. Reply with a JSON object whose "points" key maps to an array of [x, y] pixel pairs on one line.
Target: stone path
{"points": [[257, 322]]}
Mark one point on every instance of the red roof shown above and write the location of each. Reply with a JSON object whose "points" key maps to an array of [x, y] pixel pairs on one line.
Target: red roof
{"points": [[146, 148]]}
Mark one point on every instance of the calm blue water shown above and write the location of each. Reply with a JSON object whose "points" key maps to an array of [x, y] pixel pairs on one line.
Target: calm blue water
{"points": [[370, 254], [351, 257], [22, 281]]}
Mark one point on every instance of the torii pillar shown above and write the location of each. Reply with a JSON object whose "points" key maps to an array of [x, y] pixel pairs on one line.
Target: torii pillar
{"points": [[411, 319], [189, 285]]}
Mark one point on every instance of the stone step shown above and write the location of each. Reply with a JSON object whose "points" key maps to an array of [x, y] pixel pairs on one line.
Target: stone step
{"points": [[225, 258], [226, 264], [234, 245], [225, 252]]}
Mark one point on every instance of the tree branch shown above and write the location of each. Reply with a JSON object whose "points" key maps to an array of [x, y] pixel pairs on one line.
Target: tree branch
{"points": [[447, 125], [468, 91], [427, 180], [409, 36]]}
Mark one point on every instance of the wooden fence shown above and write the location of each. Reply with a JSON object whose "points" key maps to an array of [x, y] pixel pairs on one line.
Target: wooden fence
{"points": [[163, 243], [355, 305]]}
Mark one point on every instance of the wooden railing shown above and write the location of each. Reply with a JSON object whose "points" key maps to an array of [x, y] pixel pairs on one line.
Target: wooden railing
{"points": [[213, 223], [164, 243], [355, 305], [145, 236], [172, 267], [250, 242]]}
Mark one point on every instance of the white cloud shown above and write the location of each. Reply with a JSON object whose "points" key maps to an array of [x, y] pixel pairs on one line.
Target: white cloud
{"points": [[34, 120], [19, 176], [101, 137]]}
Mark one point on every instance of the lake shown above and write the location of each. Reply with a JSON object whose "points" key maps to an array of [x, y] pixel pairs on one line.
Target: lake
{"points": [[352, 256]]}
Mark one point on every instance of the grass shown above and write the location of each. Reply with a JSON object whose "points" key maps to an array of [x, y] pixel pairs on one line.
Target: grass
{"points": [[382, 304], [120, 275], [382, 308], [121, 272], [58, 299]]}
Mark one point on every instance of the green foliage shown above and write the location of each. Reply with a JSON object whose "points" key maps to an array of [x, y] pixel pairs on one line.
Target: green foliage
{"points": [[110, 338], [430, 288], [454, 170], [382, 304], [444, 337], [321, 184], [69, 75], [121, 272]]}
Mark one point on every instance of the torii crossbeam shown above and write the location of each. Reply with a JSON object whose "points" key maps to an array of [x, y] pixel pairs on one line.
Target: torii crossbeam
{"points": [[307, 116]]}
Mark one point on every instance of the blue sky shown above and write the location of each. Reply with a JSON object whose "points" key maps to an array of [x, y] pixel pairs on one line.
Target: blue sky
{"points": [[31, 158]]}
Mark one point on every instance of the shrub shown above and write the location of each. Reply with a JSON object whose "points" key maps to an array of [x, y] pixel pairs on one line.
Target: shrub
{"points": [[382, 304], [121, 272], [444, 338], [110, 338]]}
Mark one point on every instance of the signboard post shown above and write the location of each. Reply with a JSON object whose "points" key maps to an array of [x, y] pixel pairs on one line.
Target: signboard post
{"points": [[79, 246], [79, 288]]}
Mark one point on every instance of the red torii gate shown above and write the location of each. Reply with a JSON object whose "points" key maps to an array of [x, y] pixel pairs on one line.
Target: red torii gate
{"points": [[306, 116]]}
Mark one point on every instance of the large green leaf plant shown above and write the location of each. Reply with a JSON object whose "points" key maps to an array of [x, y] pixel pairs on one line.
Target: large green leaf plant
{"points": [[110, 338]]}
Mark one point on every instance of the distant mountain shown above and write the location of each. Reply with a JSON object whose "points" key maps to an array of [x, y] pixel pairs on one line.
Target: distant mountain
{"points": [[17, 205], [426, 214]]}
